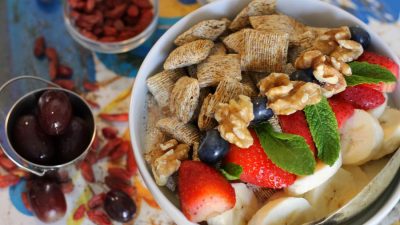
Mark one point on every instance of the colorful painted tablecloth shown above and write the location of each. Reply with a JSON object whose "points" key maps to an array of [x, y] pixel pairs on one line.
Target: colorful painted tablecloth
{"points": [[114, 76]]}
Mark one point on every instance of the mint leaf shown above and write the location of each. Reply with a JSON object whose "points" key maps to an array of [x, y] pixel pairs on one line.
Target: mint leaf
{"points": [[324, 130], [287, 151], [365, 73], [231, 171]]}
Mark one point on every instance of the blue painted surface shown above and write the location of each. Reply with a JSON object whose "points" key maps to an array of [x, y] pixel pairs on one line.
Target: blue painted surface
{"points": [[15, 196]]}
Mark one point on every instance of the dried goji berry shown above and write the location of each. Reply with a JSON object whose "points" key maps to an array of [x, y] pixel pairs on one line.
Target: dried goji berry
{"points": [[109, 132], [110, 31], [96, 143], [87, 171], [131, 165], [67, 84], [143, 3], [98, 217], [67, 187], [79, 212], [19, 172], [53, 69], [89, 86], [118, 24], [51, 54], [109, 147], [92, 103], [25, 201], [96, 200], [39, 47], [64, 71], [77, 4], [120, 151], [88, 34], [133, 11], [120, 173], [90, 4], [117, 11], [91, 157], [114, 182], [117, 117], [145, 19], [8, 180], [7, 163]]}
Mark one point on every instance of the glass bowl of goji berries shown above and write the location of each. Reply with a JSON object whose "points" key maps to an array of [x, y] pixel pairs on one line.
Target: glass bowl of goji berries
{"points": [[111, 26]]}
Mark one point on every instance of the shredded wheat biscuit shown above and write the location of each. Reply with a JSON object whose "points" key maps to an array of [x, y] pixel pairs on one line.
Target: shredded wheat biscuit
{"points": [[255, 8], [161, 85], [184, 98], [217, 68], [205, 122], [226, 90], [186, 133], [188, 54], [264, 52], [235, 41], [207, 29], [218, 49]]}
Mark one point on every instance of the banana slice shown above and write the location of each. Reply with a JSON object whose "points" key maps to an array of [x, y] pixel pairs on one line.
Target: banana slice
{"points": [[361, 137], [390, 122], [361, 178], [286, 210], [333, 194], [321, 174], [245, 207], [378, 111]]}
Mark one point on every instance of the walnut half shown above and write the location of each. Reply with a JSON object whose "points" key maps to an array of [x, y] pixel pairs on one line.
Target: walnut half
{"points": [[233, 119], [297, 94], [166, 159]]}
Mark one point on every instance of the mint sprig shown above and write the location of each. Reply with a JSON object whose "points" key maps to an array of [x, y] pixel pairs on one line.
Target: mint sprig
{"points": [[324, 130], [287, 151], [366, 73], [231, 171]]}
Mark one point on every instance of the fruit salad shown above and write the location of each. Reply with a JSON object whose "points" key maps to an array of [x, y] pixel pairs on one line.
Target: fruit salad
{"points": [[265, 120]]}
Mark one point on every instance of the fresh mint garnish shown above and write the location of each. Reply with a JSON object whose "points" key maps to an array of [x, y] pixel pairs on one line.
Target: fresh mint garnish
{"points": [[231, 171], [324, 130], [366, 73], [287, 151]]}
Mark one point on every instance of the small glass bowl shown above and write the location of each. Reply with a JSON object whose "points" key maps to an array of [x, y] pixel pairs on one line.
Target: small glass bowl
{"points": [[110, 47]]}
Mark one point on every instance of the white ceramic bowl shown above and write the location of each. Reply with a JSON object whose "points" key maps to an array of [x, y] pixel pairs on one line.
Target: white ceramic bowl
{"points": [[311, 12]]}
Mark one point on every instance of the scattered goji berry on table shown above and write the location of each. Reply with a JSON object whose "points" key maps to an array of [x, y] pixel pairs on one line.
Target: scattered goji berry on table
{"points": [[109, 132], [8, 180], [120, 173], [96, 200], [109, 147], [39, 47], [118, 117], [98, 217], [79, 212], [7, 164], [87, 172]]}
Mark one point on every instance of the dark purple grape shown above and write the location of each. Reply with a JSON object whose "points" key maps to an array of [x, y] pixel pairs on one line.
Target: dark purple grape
{"points": [[119, 206], [30, 141], [47, 200], [55, 112], [303, 75], [213, 147], [74, 141]]}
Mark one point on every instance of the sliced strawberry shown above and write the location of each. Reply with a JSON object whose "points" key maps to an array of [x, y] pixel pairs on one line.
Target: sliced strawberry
{"points": [[342, 109], [362, 97], [258, 169], [203, 191], [384, 61], [296, 123]]}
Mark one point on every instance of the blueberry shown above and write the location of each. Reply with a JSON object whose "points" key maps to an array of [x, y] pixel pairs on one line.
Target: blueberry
{"points": [[213, 148], [260, 110], [361, 36], [303, 75]]}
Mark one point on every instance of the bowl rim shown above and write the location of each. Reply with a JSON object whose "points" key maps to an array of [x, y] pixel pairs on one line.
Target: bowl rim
{"points": [[140, 38], [175, 213]]}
